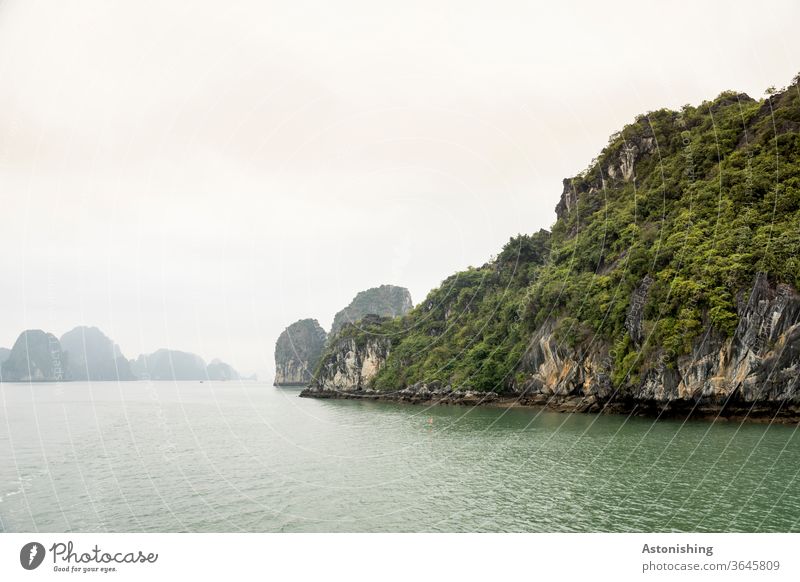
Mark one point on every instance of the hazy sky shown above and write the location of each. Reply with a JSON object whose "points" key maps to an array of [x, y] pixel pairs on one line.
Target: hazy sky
{"points": [[198, 175]]}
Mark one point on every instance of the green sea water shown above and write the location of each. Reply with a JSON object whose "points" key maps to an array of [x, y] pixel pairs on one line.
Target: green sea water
{"points": [[214, 457]]}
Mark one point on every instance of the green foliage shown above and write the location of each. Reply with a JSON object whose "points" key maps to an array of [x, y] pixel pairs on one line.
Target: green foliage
{"points": [[714, 199], [468, 332], [702, 218]]}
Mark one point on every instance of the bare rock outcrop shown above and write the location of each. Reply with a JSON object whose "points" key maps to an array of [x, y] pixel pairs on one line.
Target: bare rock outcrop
{"points": [[756, 369], [352, 362]]}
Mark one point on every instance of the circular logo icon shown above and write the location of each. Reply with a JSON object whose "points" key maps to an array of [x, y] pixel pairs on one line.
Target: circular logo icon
{"points": [[31, 555]]}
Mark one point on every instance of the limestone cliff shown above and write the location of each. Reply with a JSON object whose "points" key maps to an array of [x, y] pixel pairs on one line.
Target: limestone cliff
{"points": [[297, 352], [351, 362], [755, 372], [385, 301], [668, 284]]}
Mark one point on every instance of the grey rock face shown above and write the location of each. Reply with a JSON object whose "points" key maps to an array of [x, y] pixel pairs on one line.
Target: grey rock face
{"points": [[760, 363], [558, 370], [619, 168], [384, 301], [568, 200], [622, 168], [350, 366], [633, 320], [297, 352], [36, 357]]}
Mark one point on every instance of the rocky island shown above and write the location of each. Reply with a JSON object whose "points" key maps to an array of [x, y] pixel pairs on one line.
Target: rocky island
{"points": [[173, 365], [297, 352], [87, 354], [667, 285], [93, 356], [301, 345]]}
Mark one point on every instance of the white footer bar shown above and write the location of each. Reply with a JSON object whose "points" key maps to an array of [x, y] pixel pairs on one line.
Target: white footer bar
{"points": [[379, 557]]}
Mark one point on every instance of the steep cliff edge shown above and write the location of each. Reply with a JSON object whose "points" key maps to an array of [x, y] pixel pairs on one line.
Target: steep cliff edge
{"points": [[297, 352], [755, 372], [353, 360], [666, 286]]}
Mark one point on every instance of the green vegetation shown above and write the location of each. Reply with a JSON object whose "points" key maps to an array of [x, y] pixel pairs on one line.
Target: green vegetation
{"points": [[385, 301], [700, 199], [468, 332]]}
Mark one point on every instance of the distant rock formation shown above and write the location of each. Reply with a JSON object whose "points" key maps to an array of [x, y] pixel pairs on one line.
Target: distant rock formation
{"points": [[297, 352], [87, 354], [385, 301], [302, 344], [220, 371], [36, 357], [94, 356], [166, 364]]}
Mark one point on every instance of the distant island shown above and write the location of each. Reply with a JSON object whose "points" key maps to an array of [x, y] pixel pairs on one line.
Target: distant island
{"points": [[87, 354], [668, 285], [301, 345]]}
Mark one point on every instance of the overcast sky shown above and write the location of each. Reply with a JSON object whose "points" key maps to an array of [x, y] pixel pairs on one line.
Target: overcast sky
{"points": [[198, 175]]}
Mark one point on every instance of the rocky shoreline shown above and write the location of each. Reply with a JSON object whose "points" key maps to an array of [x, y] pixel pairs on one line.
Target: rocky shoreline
{"points": [[702, 409], [751, 375]]}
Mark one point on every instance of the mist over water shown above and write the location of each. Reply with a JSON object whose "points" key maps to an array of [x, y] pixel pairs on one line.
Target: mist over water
{"points": [[231, 456]]}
